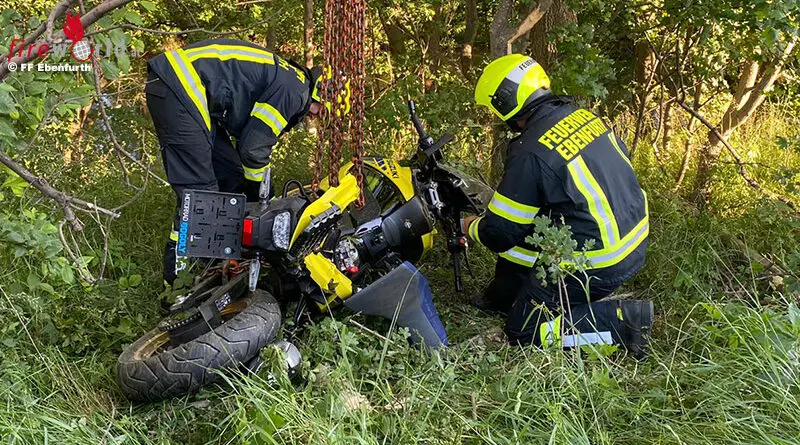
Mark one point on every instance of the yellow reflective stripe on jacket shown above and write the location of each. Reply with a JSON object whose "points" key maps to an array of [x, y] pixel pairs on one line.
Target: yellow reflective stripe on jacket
{"points": [[254, 174], [511, 210], [599, 207], [270, 116], [473, 230], [173, 235], [230, 52], [521, 256], [618, 252], [613, 138], [190, 81], [614, 254]]}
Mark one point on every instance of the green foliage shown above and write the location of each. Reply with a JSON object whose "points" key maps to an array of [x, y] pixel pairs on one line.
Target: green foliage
{"points": [[559, 255], [32, 239], [583, 70]]}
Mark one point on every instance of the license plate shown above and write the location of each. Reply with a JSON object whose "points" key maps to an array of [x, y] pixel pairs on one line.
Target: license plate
{"points": [[211, 224]]}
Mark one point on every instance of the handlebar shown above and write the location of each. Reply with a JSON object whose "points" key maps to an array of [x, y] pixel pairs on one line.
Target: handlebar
{"points": [[427, 156], [425, 141]]}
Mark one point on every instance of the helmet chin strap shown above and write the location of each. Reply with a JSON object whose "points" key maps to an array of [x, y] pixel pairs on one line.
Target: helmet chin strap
{"points": [[514, 125]]}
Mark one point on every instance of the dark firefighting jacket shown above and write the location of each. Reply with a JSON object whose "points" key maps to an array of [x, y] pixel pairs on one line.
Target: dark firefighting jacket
{"points": [[568, 164], [252, 92]]}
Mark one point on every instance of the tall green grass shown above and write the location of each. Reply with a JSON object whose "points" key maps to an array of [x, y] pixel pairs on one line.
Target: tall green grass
{"points": [[724, 368]]}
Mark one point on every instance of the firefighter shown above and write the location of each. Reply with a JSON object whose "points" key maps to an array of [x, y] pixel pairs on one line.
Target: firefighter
{"points": [[568, 165], [219, 107]]}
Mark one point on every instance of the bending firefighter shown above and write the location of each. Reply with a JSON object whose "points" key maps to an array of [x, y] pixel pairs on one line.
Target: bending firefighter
{"points": [[207, 95], [568, 165]]}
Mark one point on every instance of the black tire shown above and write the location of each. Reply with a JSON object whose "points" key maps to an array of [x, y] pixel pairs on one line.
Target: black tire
{"points": [[148, 373]]}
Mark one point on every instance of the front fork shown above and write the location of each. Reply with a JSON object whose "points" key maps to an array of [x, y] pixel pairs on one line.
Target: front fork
{"points": [[263, 199]]}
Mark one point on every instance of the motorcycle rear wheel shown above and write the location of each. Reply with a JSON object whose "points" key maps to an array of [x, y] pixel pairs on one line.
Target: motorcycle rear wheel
{"points": [[147, 371]]}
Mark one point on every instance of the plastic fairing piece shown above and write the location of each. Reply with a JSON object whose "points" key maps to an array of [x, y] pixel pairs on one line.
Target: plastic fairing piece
{"points": [[407, 288], [332, 282], [346, 193]]}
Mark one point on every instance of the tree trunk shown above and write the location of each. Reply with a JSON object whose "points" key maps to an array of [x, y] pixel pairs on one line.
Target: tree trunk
{"points": [[395, 36], [501, 28], [502, 34], [308, 32], [755, 80], [470, 31], [499, 32], [541, 44], [434, 41]]}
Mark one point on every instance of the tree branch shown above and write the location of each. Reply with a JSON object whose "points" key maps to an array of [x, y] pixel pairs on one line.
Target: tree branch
{"points": [[186, 31], [67, 202], [530, 21]]}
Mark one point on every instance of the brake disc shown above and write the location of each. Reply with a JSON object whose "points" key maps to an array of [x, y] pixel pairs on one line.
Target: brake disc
{"points": [[185, 318]]}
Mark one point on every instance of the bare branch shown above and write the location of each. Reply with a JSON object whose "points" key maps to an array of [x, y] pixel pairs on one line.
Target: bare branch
{"points": [[67, 202], [530, 21], [185, 31], [85, 274], [687, 149]]}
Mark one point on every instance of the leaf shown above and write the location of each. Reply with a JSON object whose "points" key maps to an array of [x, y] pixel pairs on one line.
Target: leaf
{"points": [[134, 280], [85, 261], [6, 129], [16, 184], [150, 6], [123, 282], [133, 18], [110, 69], [9, 342], [105, 22], [117, 38], [47, 288], [36, 88], [16, 237], [6, 87], [124, 63], [33, 281], [6, 103], [67, 275]]}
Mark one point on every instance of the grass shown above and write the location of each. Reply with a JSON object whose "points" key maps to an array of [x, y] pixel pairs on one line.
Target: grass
{"points": [[724, 367]]}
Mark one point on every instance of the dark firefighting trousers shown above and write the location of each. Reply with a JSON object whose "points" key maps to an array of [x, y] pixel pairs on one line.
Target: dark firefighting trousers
{"points": [[538, 314], [193, 158]]}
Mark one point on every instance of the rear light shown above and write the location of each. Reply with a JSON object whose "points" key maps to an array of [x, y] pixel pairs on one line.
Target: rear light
{"points": [[247, 232]]}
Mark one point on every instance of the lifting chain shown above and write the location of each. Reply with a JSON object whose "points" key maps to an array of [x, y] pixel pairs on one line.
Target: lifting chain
{"points": [[343, 89]]}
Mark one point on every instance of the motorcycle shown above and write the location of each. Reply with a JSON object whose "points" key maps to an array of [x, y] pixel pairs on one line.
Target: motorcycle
{"points": [[318, 251]]}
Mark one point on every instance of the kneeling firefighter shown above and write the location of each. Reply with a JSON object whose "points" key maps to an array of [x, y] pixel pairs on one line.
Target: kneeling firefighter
{"points": [[203, 95], [568, 165]]}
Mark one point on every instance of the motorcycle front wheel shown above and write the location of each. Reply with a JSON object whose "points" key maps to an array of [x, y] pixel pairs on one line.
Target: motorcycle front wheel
{"points": [[149, 370]]}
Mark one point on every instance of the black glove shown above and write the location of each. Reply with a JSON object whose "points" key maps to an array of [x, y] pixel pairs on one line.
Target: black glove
{"points": [[250, 189]]}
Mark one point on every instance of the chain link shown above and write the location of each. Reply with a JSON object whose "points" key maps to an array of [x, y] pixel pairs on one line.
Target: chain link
{"points": [[343, 89]]}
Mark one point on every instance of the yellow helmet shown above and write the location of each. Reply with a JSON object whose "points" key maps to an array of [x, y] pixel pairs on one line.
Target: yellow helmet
{"points": [[509, 83]]}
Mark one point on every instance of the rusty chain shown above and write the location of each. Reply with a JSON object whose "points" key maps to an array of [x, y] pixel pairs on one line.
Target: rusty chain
{"points": [[343, 89]]}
